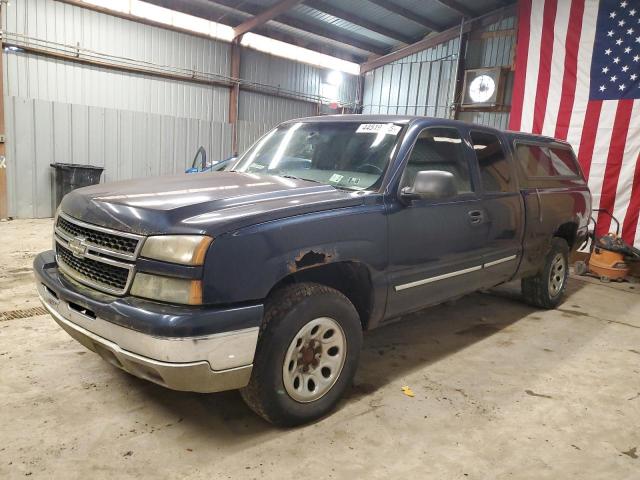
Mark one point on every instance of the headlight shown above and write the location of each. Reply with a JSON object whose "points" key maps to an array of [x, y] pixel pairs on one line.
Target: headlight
{"points": [[182, 249], [167, 289]]}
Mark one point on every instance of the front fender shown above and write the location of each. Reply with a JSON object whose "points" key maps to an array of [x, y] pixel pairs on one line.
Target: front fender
{"points": [[244, 265]]}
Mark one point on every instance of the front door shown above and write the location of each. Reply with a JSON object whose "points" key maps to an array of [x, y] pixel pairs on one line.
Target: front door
{"points": [[436, 247]]}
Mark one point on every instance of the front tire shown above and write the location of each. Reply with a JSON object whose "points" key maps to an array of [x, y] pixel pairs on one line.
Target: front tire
{"points": [[307, 354], [546, 289]]}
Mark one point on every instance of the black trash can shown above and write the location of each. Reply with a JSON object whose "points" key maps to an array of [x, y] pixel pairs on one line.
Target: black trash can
{"points": [[68, 177]]}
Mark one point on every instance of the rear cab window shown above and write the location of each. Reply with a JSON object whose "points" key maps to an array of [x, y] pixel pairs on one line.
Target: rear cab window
{"points": [[546, 165]]}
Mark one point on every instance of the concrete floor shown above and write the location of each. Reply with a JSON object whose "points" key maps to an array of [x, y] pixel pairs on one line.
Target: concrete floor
{"points": [[501, 391]]}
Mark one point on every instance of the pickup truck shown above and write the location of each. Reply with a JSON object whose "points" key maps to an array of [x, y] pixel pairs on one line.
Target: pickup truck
{"points": [[263, 277]]}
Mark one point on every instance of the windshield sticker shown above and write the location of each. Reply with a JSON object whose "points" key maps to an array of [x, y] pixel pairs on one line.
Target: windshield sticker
{"points": [[353, 180], [335, 178], [384, 128]]}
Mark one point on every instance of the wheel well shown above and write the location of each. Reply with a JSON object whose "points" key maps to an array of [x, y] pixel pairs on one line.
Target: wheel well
{"points": [[352, 279], [568, 232]]}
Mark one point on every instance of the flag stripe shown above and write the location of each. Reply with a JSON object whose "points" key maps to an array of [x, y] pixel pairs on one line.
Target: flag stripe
{"points": [[544, 72], [629, 159], [583, 77], [522, 52], [600, 150], [570, 71], [630, 223], [588, 140], [558, 55], [533, 62], [614, 164]]}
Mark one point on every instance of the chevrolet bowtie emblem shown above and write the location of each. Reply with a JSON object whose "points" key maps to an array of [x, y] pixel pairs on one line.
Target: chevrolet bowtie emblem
{"points": [[78, 247]]}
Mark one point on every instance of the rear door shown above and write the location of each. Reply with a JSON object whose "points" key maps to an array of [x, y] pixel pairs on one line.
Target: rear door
{"points": [[501, 203]]}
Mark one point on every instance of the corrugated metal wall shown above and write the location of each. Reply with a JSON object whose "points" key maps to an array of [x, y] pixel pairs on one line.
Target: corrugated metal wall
{"points": [[128, 144], [133, 124], [31, 76], [283, 74], [422, 84]]}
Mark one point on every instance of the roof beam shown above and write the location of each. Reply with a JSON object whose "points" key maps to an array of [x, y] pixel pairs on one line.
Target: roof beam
{"points": [[263, 17], [406, 13], [438, 38], [306, 26], [458, 8], [358, 20]]}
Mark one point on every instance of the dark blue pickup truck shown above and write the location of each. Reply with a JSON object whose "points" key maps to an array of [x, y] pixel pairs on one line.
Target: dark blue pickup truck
{"points": [[263, 278]]}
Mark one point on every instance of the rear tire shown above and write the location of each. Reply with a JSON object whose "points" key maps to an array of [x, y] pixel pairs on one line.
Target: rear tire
{"points": [[546, 289], [306, 356]]}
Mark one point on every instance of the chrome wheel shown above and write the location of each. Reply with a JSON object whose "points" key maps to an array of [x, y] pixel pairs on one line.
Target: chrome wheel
{"points": [[314, 360], [557, 275]]}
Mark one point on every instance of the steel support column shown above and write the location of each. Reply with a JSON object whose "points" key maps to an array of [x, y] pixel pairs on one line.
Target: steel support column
{"points": [[234, 94], [4, 194]]}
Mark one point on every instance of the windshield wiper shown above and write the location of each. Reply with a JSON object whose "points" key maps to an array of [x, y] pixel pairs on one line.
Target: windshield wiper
{"points": [[299, 178], [339, 187]]}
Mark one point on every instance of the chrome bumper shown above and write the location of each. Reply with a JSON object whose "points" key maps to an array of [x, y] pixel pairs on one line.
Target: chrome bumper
{"points": [[198, 364]]}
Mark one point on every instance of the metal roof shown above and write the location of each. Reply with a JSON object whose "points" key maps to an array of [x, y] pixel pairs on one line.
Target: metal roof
{"points": [[356, 30]]}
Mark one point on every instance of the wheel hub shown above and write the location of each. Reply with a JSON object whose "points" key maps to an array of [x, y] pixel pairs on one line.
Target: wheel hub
{"points": [[314, 359], [557, 275], [309, 356]]}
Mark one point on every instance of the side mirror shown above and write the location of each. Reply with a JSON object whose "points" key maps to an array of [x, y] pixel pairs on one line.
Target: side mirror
{"points": [[432, 184]]}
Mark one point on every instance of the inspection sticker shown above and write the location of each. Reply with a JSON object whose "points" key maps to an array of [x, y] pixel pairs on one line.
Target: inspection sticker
{"points": [[336, 177], [385, 128]]}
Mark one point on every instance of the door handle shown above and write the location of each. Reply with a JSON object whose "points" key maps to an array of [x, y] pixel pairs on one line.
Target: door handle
{"points": [[476, 217]]}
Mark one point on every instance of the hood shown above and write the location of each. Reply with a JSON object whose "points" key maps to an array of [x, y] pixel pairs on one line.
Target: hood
{"points": [[208, 203]]}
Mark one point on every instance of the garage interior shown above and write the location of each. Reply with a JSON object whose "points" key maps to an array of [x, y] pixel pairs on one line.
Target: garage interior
{"points": [[500, 389]]}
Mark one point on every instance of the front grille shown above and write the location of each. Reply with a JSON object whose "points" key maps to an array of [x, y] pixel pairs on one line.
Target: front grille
{"points": [[99, 238], [103, 274]]}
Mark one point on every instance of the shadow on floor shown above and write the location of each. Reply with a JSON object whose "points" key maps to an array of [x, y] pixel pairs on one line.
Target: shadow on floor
{"points": [[389, 352]]}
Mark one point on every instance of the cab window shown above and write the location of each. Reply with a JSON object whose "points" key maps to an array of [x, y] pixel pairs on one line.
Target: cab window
{"points": [[439, 149], [563, 161], [538, 161], [495, 170]]}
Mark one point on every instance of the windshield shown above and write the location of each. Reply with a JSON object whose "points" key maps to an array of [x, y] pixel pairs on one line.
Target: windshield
{"points": [[347, 155]]}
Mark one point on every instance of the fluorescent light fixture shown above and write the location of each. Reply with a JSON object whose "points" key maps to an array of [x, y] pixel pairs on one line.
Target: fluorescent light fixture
{"points": [[117, 5], [300, 54], [167, 16], [334, 78], [328, 91], [219, 31]]}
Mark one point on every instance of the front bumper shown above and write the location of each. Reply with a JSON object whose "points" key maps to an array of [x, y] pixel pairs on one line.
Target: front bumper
{"points": [[212, 361]]}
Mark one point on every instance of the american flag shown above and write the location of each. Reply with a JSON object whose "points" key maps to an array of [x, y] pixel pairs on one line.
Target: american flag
{"points": [[577, 77]]}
